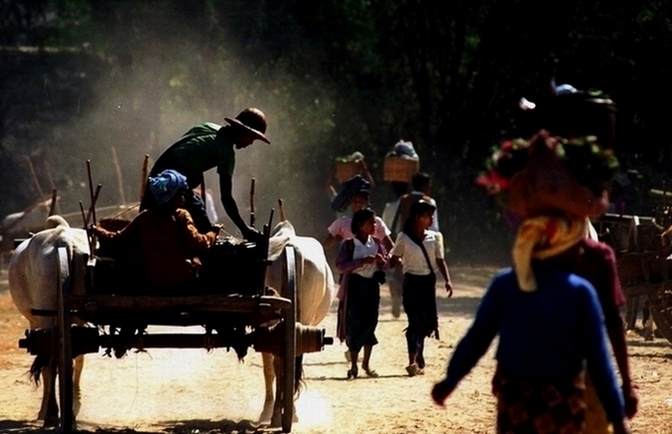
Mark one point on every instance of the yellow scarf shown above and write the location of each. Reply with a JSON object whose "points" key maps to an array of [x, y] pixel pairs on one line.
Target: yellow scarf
{"points": [[540, 238]]}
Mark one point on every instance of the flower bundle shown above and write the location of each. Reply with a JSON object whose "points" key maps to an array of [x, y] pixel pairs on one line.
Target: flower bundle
{"points": [[590, 164]]}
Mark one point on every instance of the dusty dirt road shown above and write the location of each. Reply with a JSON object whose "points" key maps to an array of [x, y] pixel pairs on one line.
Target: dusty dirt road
{"points": [[193, 391]]}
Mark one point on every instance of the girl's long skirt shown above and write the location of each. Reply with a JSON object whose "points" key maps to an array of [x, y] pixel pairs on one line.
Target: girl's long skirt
{"points": [[551, 405], [419, 299], [363, 300]]}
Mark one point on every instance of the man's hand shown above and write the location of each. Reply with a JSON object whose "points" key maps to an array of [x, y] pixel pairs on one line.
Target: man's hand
{"points": [[631, 400], [251, 234], [440, 392], [621, 428]]}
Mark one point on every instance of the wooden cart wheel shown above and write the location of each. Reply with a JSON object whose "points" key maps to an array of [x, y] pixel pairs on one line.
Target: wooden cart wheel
{"points": [[660, 306], [289, 291], [64, 324]]}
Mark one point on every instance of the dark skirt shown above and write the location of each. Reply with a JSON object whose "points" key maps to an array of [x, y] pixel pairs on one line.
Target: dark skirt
{"points": [[363, 299], [419, 298], [549, 405]]}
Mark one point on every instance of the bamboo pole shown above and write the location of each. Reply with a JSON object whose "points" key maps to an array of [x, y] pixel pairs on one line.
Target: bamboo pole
{"points": [[86, 228], [36, 182], [252, 216], [91, 193], [145, 174], [91, 215], [50, 177], [130, 208], [120, 179]]}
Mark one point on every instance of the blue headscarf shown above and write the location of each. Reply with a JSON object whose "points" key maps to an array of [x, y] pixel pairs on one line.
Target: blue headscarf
{"points": [[166, 185], [355, 185]]}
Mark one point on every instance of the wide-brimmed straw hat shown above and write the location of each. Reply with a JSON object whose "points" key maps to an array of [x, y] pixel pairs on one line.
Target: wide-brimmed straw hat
{"points": [[253, 120]]}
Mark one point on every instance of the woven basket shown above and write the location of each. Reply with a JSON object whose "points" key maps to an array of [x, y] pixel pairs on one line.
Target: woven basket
{"points": [[346, 170], [398, 169]]}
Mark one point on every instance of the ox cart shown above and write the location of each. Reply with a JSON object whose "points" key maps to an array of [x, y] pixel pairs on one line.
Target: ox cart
{"points": [[644, 264], [98, 309]]}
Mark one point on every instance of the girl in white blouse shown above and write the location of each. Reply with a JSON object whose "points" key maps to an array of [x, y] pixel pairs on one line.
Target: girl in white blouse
{"points": [[360, 261], [421, 252]]}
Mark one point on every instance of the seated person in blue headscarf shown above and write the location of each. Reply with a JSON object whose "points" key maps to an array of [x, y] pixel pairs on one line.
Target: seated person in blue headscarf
{"points": [[163, 239]]}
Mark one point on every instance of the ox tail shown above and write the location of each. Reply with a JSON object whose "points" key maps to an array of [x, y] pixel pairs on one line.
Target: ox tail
{"points": [[299, 381], [41, 361], [56, 221]]}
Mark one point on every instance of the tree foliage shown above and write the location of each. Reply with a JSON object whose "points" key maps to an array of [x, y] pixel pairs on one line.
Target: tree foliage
{"points": [[81, 76]]}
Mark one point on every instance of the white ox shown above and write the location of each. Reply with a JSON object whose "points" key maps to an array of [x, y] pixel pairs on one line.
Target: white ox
{"points": [[314, 292], [33, 285]]}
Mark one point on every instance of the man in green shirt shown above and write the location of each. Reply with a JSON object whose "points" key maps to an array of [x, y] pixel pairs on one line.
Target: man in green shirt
{"points": [[204, 147]]}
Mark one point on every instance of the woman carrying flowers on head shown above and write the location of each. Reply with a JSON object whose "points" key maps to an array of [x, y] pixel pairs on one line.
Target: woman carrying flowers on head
{"points": [[548, 309]]}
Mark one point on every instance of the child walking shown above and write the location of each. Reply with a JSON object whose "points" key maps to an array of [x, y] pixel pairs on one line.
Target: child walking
{"points": [[416, 246], [360, 261]]}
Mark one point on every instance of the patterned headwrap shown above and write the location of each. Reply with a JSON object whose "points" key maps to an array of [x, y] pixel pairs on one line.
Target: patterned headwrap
{"points": [[355, 185], [166, 185]]}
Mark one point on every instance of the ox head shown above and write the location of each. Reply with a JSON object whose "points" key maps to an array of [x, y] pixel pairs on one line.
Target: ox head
{"points": [[282, 234]]}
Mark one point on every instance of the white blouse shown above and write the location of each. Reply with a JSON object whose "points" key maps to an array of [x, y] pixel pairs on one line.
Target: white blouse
{"points": [[413, 260], [370, 248]]}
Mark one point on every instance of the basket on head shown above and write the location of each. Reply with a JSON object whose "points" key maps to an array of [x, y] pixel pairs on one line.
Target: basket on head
{"points": [[399, 169]]}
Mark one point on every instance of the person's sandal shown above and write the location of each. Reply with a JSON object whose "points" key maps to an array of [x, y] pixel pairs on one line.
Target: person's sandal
{"points": [[370, 373], [412, 370]]}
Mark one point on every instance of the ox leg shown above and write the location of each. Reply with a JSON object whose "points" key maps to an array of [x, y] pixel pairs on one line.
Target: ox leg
{"points": [[269, 376], [49, 410], [276, 420], [76, 391], [647, 322]]}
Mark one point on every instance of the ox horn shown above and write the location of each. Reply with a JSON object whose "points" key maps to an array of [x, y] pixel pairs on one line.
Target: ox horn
{"points": [[281, 206]]}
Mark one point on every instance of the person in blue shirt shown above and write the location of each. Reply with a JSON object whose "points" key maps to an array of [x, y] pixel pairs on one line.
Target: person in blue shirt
{"points": [[551, 331]]}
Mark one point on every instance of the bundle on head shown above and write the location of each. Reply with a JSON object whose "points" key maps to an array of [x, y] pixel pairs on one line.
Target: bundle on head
{"points": [[550, 174]]}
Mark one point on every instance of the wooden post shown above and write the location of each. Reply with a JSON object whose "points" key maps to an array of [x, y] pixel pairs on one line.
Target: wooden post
{"points": [[252, 217], [91, 193], [86, 228], [120, 180], [145, 173], [91, 215]]}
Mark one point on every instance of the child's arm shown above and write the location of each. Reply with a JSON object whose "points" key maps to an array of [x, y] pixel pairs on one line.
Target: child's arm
{"points": [[443, 268], [441, 263], [344, 263]]}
